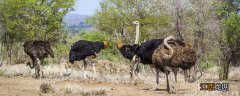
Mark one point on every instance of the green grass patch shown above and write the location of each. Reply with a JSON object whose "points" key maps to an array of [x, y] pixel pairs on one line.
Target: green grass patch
{"points": [[1, 73], [207, 65]]}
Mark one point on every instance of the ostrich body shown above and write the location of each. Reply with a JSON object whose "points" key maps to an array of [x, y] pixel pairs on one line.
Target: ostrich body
{"points": [[38, 51], [86, 51], [174, 56]]}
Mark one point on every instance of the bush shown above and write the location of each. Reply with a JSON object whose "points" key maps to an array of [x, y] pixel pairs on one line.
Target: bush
{"points": [[46, 87], [207, 65]]}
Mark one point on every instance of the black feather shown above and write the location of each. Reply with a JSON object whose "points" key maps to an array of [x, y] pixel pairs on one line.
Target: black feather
{"points": [[81, 49]]}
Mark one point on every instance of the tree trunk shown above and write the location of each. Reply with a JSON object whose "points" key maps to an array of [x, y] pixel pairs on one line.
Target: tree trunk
{"points": [[224, 70], [9, 54], [178, 24], [2, 54]]}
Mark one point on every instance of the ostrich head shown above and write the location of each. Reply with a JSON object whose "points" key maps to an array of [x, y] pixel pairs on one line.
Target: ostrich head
{"points": [[170, 37], [106, 44], [136, 22], [165, 42], [119, 44]]}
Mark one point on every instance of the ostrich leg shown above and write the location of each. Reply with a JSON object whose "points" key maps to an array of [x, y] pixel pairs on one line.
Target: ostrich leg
{"points": [[134, 67], [138, 70], [31, 65], [90, 58], [35, 62], [175, 70], [39, 68], [157, 78], [94, 70], [186, 75], [85, 69], [166, 72], [36, 72]]}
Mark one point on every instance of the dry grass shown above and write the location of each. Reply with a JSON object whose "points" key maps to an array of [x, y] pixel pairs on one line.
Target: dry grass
{"points": [[74, 89], [117, 74], [46, 87], [16, 70]]}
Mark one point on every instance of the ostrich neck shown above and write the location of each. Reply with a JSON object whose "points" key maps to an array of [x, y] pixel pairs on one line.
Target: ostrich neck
{"points": [[169, 47], [137, 34]]}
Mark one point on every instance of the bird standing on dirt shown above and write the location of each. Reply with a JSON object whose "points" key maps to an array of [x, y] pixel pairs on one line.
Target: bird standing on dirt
{"points": [[38, 51], [83, 50]]}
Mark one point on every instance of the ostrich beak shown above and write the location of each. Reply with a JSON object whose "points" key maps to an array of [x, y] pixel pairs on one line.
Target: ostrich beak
{"points": [[119, 44], [106, 44], [133, 22], [71, 61]]}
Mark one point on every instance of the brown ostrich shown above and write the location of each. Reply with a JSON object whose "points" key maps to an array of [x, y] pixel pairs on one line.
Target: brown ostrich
{"points": [[38, 51], [175, 56]]}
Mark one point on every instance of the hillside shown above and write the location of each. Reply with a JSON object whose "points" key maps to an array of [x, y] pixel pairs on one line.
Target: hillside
{"points": [[76, 22]]}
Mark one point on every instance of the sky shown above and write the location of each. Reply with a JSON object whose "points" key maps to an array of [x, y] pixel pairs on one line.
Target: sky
{"points": [[85, 7]]}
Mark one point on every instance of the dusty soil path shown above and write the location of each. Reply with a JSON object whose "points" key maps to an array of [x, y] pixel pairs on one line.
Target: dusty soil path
{"points": [[27, 86]]}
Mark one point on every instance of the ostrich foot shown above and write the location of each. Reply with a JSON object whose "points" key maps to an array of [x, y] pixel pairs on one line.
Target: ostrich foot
{"points": [[172, 90], [139, 75], [37, 77], [67, 74], [85, 77]]}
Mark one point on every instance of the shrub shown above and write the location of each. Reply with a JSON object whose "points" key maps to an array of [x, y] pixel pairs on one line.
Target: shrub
{"points": [[46, 87]]}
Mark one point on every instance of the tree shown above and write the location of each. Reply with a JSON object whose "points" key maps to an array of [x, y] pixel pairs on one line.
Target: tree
{"points": [[33, 19], [229, 36], [25, 20], [115, 16]]}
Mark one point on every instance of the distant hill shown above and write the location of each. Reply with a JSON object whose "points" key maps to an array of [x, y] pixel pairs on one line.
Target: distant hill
{"points": [[76, 22]]}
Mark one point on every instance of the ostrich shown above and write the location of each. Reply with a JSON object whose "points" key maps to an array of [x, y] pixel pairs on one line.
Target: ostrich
{"points": [[86, 51], [143, 53], [179, 56], [135, 59], [137, 52], [38, 51]]}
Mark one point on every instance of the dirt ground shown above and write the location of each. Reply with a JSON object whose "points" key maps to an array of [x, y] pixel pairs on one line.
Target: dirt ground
{"points": [[27, 86], [21, 83]]}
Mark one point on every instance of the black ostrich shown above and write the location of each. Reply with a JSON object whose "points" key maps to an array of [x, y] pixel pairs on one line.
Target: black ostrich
{"points": [[143, 53], [38, 51], [83, 50]]}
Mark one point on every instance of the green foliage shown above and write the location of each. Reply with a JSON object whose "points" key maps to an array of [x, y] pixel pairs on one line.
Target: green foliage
{"points": [[33, 19], [232, 29], [1, 73], [212, 55], [229, 36], [224, 8], [207, 65], [117, 15], [61, 50], [95, 36], [232, 34]]}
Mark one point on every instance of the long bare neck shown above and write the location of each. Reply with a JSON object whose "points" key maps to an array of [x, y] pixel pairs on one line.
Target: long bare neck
{"points": [[169, 47], [137, 34]]}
